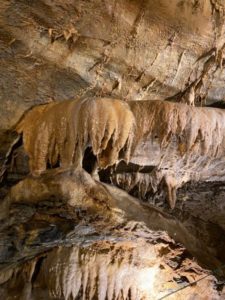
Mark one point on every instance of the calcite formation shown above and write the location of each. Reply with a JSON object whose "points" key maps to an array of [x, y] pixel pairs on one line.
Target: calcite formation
{"points": [[61, 132], [111, 270], [63, 66], [182, 143], [67, 236]]}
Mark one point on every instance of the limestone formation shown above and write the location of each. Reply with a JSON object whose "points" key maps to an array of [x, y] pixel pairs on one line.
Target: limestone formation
{"points": [[61, 132], [103, 116], [70, 238], [182, 143]]}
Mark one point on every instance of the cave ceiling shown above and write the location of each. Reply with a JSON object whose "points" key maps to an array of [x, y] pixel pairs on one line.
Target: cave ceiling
{"points": [[133, 50]]}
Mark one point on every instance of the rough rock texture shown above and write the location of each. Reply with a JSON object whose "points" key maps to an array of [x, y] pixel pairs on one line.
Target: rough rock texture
{"points": [[181, 143], [66, 238], [8, 141], [112, 270], [127, 49], [64, 223], [178, 143]]}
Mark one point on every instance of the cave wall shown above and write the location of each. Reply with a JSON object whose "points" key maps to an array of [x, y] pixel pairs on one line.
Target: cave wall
{"points": [[53, 51]]}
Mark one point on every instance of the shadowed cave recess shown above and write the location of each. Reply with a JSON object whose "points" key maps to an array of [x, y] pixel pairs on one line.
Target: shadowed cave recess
{"points": [[112, 149]]}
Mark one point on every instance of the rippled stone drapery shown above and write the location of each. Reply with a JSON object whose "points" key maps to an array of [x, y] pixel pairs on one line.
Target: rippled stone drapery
{"points": [[182, 143]]}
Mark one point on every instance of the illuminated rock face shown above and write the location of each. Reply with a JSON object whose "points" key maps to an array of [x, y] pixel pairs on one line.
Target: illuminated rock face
{"points": [[109, 270], [69, 192], [179, 142], [128, 50], [67, 236], [104, 270], [63, 223], [61, 132]]}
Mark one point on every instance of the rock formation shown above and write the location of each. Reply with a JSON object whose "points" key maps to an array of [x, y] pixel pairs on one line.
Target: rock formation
{"points": [[61, 132], [180, 142], [103, 117], [96, 250]]}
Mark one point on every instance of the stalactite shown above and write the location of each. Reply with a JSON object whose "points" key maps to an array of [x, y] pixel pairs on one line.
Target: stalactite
{"points": [[162, 120], [183, 143], [140, 266], [62, 131], [105, 270]]}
